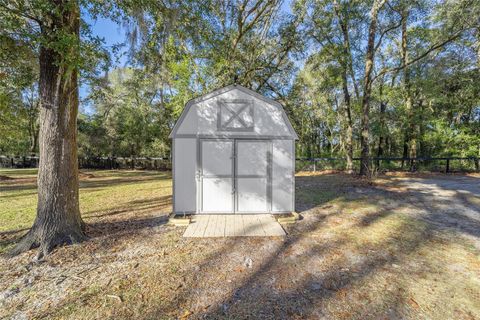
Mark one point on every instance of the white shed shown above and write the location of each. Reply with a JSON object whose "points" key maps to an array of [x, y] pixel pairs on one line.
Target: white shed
{"points": [[233, 152]]}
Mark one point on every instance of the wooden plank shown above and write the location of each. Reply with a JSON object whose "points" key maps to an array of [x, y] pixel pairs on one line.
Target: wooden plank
{"points": [[192, 227], [266, 223], [244, 224], [202, 224], [272, 227], [276, 229], [261, 223], [238, 226], [229, 226], [253, 226], [195, 225], [190, 230], [220, 226], [210, 226], [247, 225], [258, 228], [233, 226]]}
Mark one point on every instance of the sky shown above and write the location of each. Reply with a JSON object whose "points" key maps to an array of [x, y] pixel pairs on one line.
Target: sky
{"points": [[112, 34]]}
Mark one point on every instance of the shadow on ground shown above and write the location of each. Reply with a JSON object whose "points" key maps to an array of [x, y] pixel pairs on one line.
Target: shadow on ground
{"points": [[131, 216], [395, 248], [312, 275]]}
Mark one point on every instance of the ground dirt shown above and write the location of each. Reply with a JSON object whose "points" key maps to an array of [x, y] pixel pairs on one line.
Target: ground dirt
{"points": [[396, 247]]}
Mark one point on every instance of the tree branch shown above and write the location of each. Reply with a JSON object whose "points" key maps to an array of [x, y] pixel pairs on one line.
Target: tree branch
{"points": [[384, 32], [423, 55], [20, 13]]}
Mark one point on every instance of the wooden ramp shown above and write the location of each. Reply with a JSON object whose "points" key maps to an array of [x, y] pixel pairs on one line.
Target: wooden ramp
{"points": [[234, 225]]}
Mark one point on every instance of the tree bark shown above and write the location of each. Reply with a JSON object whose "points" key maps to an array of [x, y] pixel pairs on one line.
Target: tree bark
{"points": [[348, 125], [367, 88], [383, 107], [346, 63], [412, 136], [478, 44], [31, 109], [405, 149], [33, 131], [58, 219]]}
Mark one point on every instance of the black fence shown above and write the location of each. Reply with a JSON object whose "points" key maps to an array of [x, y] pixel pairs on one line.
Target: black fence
{"points": [[442, 164], [105, 163]]}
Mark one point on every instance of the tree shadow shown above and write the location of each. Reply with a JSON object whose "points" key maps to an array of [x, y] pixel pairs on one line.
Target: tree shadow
{"points": [[113, 228], [442, 201], [113, 222], [95, 182], [107, 183], [129, 218], [305, 298], [316, 190], [18, 187], [8, 238], [257, 295], [159, 203], [16, 195]]}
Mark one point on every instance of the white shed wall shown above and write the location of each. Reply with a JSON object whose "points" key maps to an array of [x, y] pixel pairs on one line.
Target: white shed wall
{"points": [[200, 120], [185, 186], [202, 117], [283, 175]]}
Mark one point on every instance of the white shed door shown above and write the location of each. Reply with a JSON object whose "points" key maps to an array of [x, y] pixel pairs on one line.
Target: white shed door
{"points": [[252, 176], [217, 176], [229, 186]]}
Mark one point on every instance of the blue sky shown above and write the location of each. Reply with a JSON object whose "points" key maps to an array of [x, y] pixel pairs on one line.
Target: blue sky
{"points": [[112, 34]]}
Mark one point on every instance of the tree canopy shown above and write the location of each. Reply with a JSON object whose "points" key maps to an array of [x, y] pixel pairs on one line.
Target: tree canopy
{"points": [[363, 78]]}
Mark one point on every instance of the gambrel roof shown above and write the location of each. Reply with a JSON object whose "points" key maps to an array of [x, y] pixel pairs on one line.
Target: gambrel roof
{"points": [[235, 120]]}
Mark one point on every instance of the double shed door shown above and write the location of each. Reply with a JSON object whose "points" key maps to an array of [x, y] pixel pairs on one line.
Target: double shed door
{"points": [[235, 176]]}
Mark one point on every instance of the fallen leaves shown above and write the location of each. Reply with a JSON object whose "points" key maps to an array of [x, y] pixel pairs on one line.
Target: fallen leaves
{"points": [[186, 314], [413, 303], [117, 298], [328, 268]]}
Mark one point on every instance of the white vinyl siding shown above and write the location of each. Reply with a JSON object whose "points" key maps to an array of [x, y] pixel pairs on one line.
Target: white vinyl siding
{"points": [[282, 169], [184, 175], [228, 167]]}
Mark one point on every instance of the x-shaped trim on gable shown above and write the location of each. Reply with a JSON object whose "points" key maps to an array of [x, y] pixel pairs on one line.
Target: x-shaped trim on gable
{"points": [[224, 105], [235, 115]]}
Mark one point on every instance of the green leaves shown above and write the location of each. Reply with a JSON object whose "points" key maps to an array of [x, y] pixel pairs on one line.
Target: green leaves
{"points": [[299, 55]]}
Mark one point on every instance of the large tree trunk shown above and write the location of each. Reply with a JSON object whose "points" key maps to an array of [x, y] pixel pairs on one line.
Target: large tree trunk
{"points": [[405, 149], [367, 88], [411, 126], [348, 126], [477, 130], [381, 120], [383, 107], [383, 139], [33, 130], [346, 63], [58, 218]]}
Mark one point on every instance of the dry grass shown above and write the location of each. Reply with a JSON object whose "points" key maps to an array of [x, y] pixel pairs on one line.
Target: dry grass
{"points": [[385, 249]]}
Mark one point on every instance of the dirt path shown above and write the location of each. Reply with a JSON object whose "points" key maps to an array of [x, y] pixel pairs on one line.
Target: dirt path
{"points": [[449, 202]]}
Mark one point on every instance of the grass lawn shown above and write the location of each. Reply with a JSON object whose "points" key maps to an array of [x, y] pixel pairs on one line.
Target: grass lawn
{"points": [[397, 247]]}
